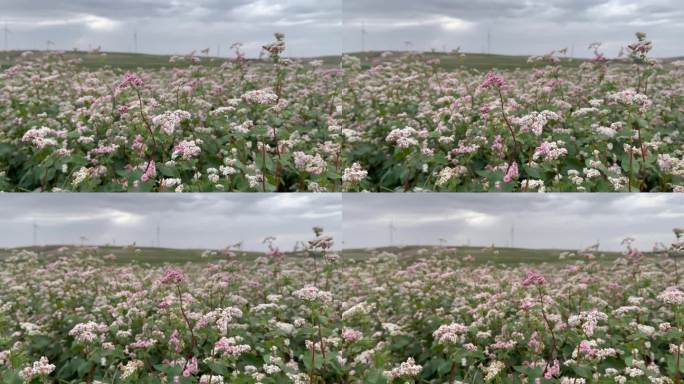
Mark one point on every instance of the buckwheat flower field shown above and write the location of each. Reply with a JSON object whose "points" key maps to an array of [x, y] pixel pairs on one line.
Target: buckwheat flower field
{"points": [[413, 315], [402, 122]]}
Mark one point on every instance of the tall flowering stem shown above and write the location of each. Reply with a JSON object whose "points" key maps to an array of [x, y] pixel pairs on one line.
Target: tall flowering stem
{"points": [[275, 50], [176, 277], [131, 80], [534, 278], [497, 81]]}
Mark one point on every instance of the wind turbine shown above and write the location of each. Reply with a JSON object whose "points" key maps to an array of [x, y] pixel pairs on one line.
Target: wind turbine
{"points": [[7, 32], [408, 45], [489, 41], [363, 37], [512, 236], [83, 240], [392, 229], [35, 233], [158, 236], [48, 44]]}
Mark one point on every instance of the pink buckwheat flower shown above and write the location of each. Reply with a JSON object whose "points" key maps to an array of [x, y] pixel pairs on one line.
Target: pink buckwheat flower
{"points": [[130, 79], [492, 79], [150, 171], [552, 370], [172, 276], [511, 173], [533, 278]]}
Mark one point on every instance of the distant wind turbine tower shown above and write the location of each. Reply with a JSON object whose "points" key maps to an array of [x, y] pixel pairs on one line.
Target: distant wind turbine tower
{"points": [[363, 36], [512, 236], [392, 228], [6, 31], [35, 233], [158, 236], [489, 41], [135, 41], [572, 50], [48, 44]]}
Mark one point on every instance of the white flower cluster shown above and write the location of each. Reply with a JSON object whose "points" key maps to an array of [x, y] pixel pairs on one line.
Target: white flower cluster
{"points": [[88, 332], [314, 165], [130, 368], [550, 150], [450, 333], [672, 295], [313, 294], [534, 184], [170, 120], [536, 121], [448, 173], [220, 318], [669, 164], [354, 174], [630, 97], [39, 368], [493, 369], [588, 320], [409, 368], [39, 137], [361, 308], [403, 137], [260, 96], [211, 379], [229, 347], [187, 149], [572, 380], [585, 111]]}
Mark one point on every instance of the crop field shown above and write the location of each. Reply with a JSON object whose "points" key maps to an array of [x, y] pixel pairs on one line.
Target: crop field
{"points": [[390, 315], [376, 122]]}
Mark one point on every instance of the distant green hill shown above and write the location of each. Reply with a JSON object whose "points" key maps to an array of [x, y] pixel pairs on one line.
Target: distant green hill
{"points": [[125, 255], [481, 255], [131, 61], [448, 61], [411, 253], [479, 61]]}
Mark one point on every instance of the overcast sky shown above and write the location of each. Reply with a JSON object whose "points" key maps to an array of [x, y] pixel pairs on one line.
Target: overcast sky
{"points": [[185, 220], [312, 27], [566, 221], [319, 27], [516, 26]]}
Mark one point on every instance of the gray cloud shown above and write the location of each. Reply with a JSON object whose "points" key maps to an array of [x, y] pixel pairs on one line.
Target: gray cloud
{"points": [[568, 221], [359, 220], [516, 26], [317, 27], [186, 221], [312, 27]]}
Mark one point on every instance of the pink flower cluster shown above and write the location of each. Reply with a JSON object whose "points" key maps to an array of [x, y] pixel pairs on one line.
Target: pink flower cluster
{"points": [[533, 278], [492, 80], [172, 276]]}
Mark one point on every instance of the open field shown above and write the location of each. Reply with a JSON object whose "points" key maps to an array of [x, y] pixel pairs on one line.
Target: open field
{"points": [[132, 61], [405, 254], [387, 315], [448, 61], [391, 122], [132, 254]]}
